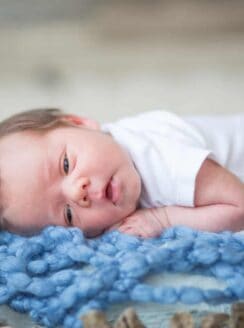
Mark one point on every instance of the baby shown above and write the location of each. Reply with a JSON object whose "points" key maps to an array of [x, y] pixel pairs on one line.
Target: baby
{"points": [[140, 175]]}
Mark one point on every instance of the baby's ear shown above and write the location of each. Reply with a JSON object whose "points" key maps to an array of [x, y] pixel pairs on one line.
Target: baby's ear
{"points": [[83, 121]]}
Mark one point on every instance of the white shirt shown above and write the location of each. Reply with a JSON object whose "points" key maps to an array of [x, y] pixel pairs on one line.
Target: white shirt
{"points": [[168, 151]]}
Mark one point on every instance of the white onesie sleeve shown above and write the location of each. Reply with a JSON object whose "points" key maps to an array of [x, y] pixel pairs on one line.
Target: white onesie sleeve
{"points": [[184, 161]]}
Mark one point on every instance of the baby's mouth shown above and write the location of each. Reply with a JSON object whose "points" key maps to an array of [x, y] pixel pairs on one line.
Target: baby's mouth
{"points": [[112, 191], [109, 191]]}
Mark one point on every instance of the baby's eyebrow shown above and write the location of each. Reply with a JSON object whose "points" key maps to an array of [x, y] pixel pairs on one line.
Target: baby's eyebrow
{"points": [[55, 212], [51, 165], [47, 169]]}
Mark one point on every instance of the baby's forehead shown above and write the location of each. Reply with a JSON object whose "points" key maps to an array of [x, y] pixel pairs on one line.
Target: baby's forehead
{"points": [[23, 185], [21, 158]]}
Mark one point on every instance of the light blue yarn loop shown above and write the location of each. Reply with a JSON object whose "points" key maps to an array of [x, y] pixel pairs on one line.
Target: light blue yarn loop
{"points": [[59, 275]]}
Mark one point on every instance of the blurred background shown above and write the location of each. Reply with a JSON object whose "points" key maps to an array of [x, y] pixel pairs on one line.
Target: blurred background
{"points": [[110, 58]]}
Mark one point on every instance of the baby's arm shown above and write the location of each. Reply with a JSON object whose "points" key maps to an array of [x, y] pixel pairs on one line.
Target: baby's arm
{"points": [[219, 205]]}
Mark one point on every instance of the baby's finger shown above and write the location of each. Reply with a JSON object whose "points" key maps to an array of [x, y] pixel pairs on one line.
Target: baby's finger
{"points": [[128, 230], [135, 231], [124, 228]]}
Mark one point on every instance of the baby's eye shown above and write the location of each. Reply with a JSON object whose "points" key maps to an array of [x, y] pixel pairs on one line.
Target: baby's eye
{"points": [[68, 215], [66, 164]]}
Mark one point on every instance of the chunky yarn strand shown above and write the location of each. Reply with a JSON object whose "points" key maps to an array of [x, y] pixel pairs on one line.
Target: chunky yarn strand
{"points": [[59, 275]]}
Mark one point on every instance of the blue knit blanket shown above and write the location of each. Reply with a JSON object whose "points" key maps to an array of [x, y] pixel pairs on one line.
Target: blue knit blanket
{"points": [[59, 275]]}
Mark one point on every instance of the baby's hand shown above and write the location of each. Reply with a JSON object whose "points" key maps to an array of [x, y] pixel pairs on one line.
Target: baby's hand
{"points": [[142, 223]]}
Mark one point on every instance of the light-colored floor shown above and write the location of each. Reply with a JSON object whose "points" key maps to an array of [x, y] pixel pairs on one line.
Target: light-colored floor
{"points": [[113, 58]]}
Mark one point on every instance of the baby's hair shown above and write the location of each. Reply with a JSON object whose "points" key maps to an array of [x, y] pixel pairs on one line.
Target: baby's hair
{"points": [[35, 120], [3, 221]]}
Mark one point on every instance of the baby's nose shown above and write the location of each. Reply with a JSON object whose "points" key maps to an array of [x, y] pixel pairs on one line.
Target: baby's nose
{"points": [[82, 192], [77, 191]]}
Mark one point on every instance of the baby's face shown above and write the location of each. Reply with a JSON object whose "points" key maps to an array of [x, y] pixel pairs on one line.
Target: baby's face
{"points": [[71, 176]]}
